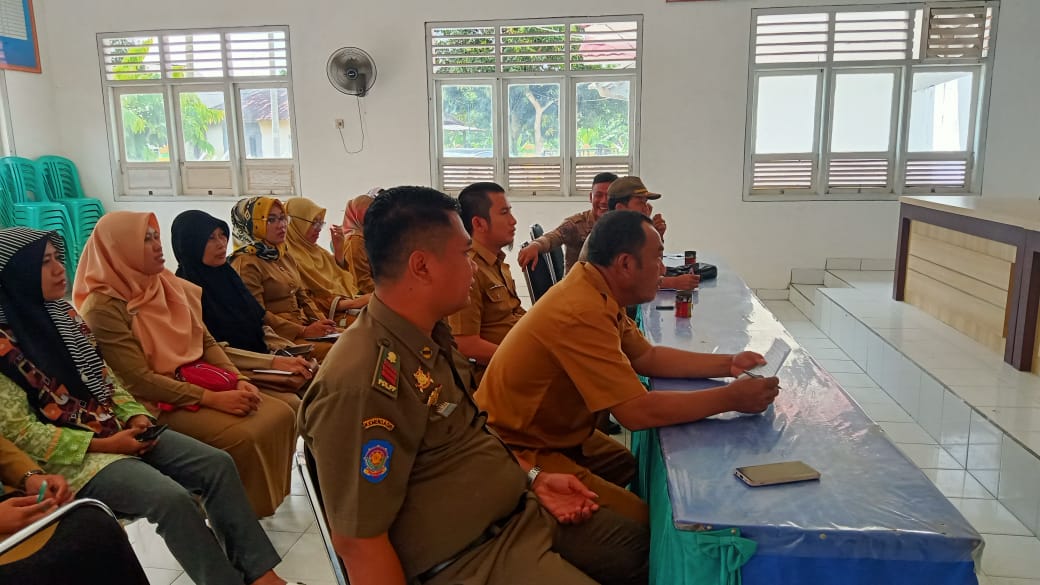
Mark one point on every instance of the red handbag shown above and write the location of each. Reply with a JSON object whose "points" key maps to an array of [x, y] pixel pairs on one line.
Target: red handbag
{"points": [[206, 376]]}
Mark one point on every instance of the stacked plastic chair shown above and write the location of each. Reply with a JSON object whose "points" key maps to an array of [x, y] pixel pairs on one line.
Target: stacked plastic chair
{"points": [[25, 193], [63, 186]]}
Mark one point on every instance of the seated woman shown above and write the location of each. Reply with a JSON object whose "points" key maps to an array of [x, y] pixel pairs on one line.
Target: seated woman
{"points": [[230, 312], [58, 554], [354, 257], [148, 325], [261, 225], [60, 405], [332, 287]]}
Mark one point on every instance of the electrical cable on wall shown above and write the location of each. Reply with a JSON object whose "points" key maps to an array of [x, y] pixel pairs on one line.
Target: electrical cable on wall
{"points": [[361, 124]]}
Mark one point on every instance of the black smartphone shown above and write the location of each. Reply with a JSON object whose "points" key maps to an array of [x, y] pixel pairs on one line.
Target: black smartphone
{"points": [[152, 433]]}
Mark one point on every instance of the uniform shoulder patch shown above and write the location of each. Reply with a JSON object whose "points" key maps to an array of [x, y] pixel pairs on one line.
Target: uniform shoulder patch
{"points": [[375, 460], [388, 368]]}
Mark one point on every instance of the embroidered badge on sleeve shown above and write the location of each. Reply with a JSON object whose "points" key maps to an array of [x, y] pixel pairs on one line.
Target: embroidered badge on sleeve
{"points": [[388, 368], [375, 460]]}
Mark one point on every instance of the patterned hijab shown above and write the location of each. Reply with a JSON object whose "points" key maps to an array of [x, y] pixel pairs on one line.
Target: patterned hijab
{"points": [[318, 268], [230, 312], [51, 337], [354, 215], [167, 311], [249, 218]]}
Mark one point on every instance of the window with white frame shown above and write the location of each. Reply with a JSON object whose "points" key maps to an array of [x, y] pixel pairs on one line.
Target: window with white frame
{"points": [[539, 106], [200, 112], [868, 102]]}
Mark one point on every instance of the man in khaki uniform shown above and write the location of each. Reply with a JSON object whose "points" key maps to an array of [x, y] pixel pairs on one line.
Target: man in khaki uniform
{"points": [[574, 230], [630, 194], [494, 307], [576, 352], [416, 488]]}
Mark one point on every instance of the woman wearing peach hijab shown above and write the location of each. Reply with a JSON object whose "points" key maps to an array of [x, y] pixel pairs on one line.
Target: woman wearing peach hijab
{"points": [[353, 257], [148, 323], [332, 287]]}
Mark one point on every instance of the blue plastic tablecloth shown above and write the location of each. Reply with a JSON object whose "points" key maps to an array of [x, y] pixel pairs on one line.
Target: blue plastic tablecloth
{"points": [[873, 518]]}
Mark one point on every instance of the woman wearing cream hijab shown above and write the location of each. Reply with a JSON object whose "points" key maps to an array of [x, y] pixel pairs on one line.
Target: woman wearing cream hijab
{"points": [[148, 323], [332, 287]]}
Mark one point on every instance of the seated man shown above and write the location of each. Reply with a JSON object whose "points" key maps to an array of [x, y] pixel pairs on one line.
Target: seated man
{"points": [[576, 352], [574, 230], [494, 306], [416, 488], [629, 193]]}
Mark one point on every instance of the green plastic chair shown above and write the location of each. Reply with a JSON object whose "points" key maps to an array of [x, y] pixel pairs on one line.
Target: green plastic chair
{"points": [[63, 186], [25, 197]]}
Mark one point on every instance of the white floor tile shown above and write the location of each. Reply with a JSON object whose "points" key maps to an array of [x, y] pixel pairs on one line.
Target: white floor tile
{"points": [[1010, 581], [812, 344], [184, 579], [840, 366], [871, 394], [828, 354], [161, 576], [906, 432], [886, 412], [283, 541], [929, 456], [990, 517], [1011, 556], [307, 561], [152, 551], [955, 483], [804, 330], [294, 515], [855, 380]]}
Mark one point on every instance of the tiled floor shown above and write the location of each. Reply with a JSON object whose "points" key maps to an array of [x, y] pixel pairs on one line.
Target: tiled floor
{"points": [[1012, 553], [292, 531]]}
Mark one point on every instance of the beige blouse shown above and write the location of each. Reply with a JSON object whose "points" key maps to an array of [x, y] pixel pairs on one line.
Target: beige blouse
{"points": [[277, 286], [111, 322]]}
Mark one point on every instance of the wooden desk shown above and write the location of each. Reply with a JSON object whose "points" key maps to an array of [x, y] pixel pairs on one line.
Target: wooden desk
{"points": [[974, 263]]}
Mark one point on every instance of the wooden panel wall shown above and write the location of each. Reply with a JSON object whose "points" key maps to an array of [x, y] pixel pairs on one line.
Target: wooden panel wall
{"points": [[962, 280]]}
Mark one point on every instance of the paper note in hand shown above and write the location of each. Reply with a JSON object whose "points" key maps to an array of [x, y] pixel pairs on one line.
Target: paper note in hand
{"points": [[775, 358]]}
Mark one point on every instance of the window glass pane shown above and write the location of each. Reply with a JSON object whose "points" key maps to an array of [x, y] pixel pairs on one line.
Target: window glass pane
{"points": [[534, 119], [466, 121], [862, 112], [204, 125], [785, 114], [144, 127], [602, 123], [265, 123], [940, 111]]}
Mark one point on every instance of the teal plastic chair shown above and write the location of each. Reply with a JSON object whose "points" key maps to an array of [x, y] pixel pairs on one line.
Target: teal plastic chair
{"points": [[63, 186], [24, 194]]}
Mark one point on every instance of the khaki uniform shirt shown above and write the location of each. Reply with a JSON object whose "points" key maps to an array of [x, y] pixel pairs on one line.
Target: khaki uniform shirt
{"points": [[278, 287], [568, 358], [400, 446], [572, 234], [355, 260], [494, 307], [14, 463]]}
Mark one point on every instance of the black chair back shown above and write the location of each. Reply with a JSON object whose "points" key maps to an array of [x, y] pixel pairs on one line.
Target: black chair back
{"points": [[309, 472], [556, 254], [540, 278]]}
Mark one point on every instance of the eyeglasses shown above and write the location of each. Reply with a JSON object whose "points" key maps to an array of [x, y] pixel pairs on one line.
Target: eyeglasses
{"points": [[318, 224], [273, 219]]}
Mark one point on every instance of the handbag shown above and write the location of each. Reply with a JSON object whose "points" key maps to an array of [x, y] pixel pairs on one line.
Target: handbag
{"points": [[204, 375]]}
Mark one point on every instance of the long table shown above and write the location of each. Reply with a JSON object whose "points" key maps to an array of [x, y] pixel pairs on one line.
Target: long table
{"points": [[873, 518]]}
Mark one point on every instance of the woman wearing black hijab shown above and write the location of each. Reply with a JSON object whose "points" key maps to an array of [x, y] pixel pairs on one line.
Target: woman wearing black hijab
{"points": [[231, 314]]}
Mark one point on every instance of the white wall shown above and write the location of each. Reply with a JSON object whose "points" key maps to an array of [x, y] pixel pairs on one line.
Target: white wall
{"points": [[694, 92], [34, 119]]}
